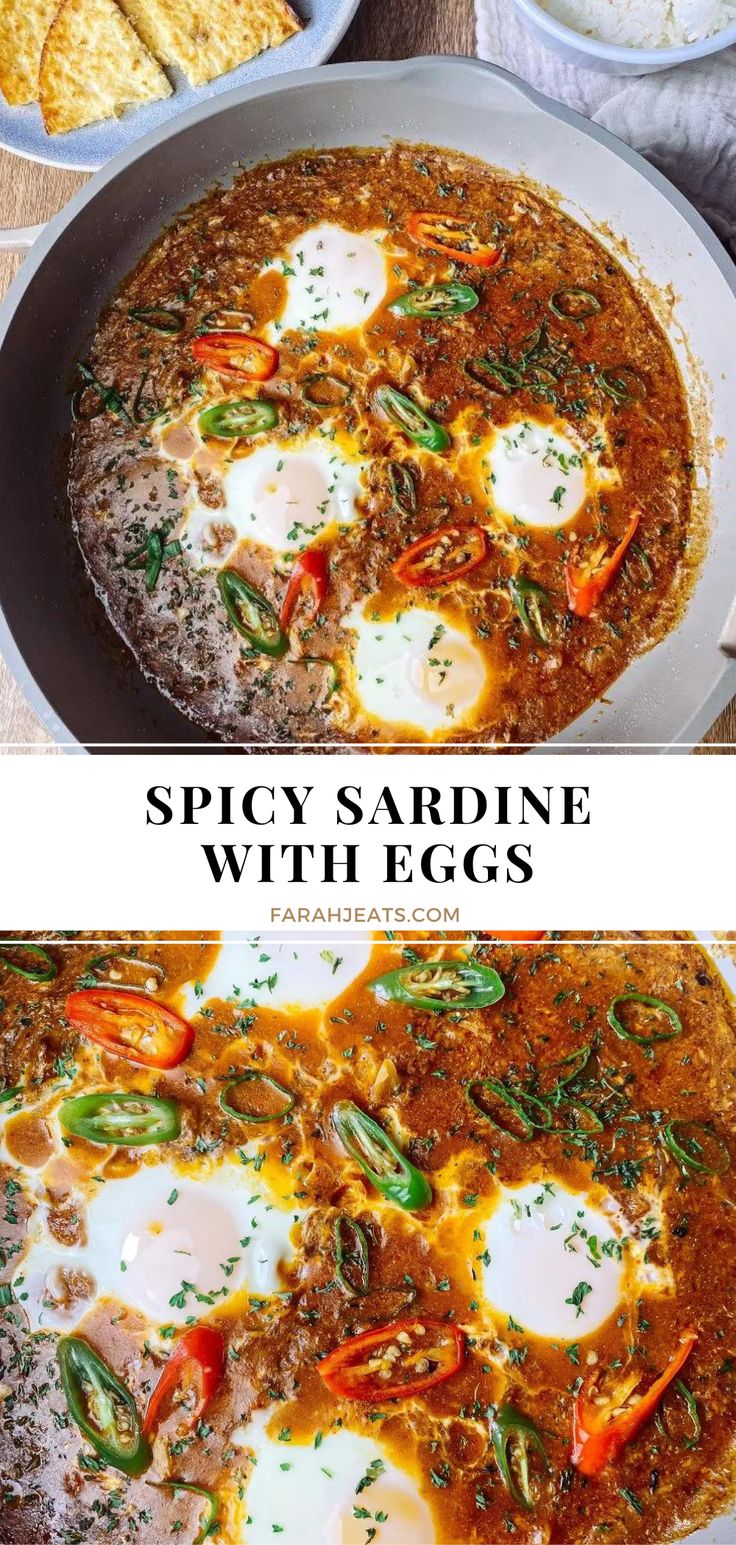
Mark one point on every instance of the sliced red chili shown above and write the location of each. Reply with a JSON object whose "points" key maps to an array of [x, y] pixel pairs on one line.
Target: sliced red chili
{"points": [[236, 354], [310, 573], [189, 1379], [587, 582], [599, 1433], [131, 1026], [452, 237], [394, 1361], [441, 556]]}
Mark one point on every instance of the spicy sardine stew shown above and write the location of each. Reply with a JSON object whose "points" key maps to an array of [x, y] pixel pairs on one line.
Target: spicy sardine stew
{"points": [[388, 1242], [380, 446]]}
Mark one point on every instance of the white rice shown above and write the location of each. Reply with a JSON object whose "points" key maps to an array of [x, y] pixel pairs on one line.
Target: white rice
{"points": [[644, 23]]}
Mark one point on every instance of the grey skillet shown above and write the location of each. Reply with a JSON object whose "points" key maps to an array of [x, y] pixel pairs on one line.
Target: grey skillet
{"points": [[53, 630]]}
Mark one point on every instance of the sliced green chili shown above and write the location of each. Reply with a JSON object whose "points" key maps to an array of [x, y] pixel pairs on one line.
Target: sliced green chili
{"points": [[667, 1427], [6, 1095], [251, 614], [437, 985], [154, 560], [126, 1119], [538, 1111], [41, 973], [153, 556], [570, 1068], [573, 304], [502, 379], [622, 385], [79, 414], [532, 1113], [161, 319], [226, 320], [589, 1122], [209, 1518], [258, 1082], [529, 598], [652, 1003], [110, 398], [333, 674], [540, 377], [231, 420], [325, 390], [352, 1267], [511, 1426], [691, 1406], [383, 1305], [636, 551], [99, 964], [417, 424], [403, 487], [696, 1147], [386, 1166], [103, 1409], [140, 416], [436, 300], [537, 343]]}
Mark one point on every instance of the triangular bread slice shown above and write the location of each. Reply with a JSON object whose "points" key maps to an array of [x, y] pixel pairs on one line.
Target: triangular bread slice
{"points": [[23, 28], [93, 66], [205, 38]]}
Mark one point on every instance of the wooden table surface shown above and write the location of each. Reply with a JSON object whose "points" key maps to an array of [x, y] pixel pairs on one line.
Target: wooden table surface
{"points": [[382, 29]]}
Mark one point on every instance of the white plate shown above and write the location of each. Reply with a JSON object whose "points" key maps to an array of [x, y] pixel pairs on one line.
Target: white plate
{"points": [[22, 131]]}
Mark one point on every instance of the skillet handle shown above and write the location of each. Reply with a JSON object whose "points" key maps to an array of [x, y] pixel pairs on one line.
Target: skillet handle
{"points": [[23, 236], [727, 640]]}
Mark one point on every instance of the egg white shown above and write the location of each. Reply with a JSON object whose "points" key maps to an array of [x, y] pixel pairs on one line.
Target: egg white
{"points": [[307, 1495], [415, 669], [282, 495], [541, 1241], [278, 975], [335, 279], [158, 1238], [534, 473]]}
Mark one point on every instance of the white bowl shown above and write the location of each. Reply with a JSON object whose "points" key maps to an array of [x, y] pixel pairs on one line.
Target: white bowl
{"points": [[612, 58]]}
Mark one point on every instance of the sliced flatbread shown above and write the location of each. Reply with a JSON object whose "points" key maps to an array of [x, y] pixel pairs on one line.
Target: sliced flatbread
{"points": [[93, 66], [205, 38], [23, 28]]}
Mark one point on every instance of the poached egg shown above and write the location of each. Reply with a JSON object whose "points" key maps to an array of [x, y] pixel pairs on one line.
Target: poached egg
{"points": [[168, 1243], [534, 473], [335, 279], [414, 669], [282, 495], [553, 1260], [278, 974], [328, 1491]]}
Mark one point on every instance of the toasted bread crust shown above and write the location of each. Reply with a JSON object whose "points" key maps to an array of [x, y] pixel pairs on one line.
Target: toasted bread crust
{"points": [[94, 65], [206, 38]]}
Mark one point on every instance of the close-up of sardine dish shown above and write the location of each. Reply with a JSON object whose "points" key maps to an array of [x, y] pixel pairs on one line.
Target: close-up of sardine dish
{"points": [[387, 1241], [380, 446]]}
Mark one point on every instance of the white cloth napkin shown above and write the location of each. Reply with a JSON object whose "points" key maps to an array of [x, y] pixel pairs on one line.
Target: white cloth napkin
{"points": [[682, 120]]}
